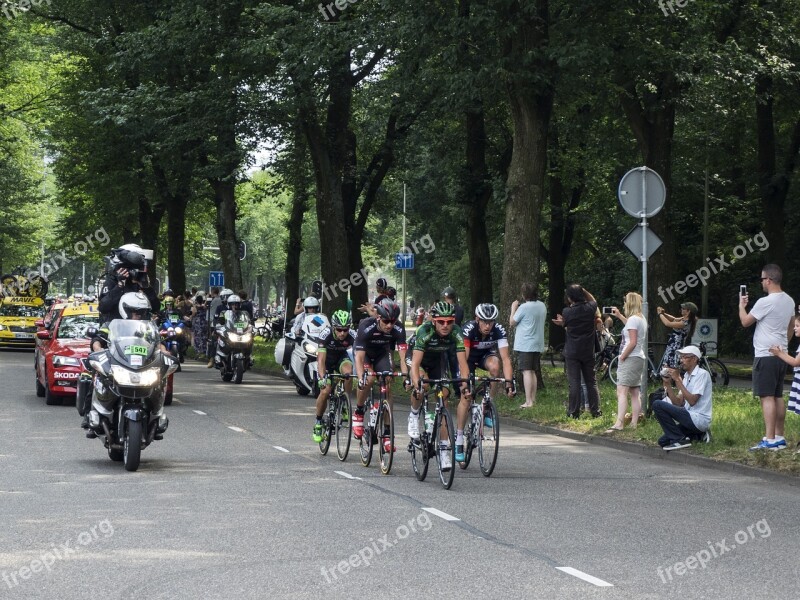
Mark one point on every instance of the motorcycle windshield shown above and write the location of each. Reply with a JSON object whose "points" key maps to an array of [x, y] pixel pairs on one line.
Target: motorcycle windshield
{"points": [[237, 321], [133, 342]]}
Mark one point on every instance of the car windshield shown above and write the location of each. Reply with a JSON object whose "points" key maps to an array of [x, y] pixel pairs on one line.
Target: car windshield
{"points": [[236, 320], [132, 341], [75, 326], [21, 310]]}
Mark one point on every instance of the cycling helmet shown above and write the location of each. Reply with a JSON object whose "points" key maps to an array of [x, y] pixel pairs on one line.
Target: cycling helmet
{"points": [[234, 299], [225, 293], [486, 312], [391, 292], [382, 284], [388, 309], [135, 305], [449, 292], [442, 309], [341, 318], [310, 303]]}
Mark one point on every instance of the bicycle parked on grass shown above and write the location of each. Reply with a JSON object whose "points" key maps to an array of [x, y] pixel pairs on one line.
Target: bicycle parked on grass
{"points": [[483, 429], [437, 433], [715, 367], [337, 421], [379, 427]]}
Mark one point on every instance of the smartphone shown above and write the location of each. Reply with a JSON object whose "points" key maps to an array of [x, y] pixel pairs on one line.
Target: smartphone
{"points": [[607, 310], [743, 290]]}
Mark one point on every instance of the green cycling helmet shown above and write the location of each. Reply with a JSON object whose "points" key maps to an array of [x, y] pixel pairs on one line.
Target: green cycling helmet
{"points": [[341, 318], [442, 309]]}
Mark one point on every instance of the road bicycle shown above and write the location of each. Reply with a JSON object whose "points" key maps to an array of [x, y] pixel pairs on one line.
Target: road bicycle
{"points": [[483, 429], [437, 433], [378, 422], [653, 372], [337, 421], [715, 367]]}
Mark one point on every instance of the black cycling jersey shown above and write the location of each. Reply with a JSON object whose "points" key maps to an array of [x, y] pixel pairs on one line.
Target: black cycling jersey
{"points": [[332, 345], [479, 345], [374, 341]]}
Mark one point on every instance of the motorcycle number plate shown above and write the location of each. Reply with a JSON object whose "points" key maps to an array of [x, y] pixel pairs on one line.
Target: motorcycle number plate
{"points": [[240, 330], [136, 361]]}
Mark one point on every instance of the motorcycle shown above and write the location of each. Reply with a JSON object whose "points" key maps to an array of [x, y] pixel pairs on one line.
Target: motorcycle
{"points": [[303, 364], [128, 400], [234, 345], [173, 337]]}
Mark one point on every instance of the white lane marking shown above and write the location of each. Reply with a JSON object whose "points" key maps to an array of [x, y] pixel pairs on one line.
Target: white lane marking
{"points": [[585, 577], [346, 475], [282, 449], [199, 412], [237, 429], [441, 515]]}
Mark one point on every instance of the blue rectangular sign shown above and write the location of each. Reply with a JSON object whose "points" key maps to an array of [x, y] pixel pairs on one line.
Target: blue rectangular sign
{"points": [[216, 278], [403, 261]]}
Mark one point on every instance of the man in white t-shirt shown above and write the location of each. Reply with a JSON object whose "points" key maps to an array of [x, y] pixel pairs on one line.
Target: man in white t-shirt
{"points": [[685, 413], [773, 316]]}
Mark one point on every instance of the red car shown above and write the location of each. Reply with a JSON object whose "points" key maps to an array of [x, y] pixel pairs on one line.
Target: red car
{"points": [[63, 345]]}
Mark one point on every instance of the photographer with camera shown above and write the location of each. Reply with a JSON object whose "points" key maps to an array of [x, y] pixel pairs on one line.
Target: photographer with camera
{"points": [[128, 273]]}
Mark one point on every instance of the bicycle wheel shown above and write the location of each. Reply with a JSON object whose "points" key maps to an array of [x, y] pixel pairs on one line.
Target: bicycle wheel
{"points": [[327, 420], [718, 371], [443, 420], [419, 450], [386, 422], [366, 443], [612, 369], [470, 441], [344, 426], [489, 439]]}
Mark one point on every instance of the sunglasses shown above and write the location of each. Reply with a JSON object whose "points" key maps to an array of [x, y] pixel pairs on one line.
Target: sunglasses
{"points": [[388, 321], [342, 329], [487, 322], [444, 321]]}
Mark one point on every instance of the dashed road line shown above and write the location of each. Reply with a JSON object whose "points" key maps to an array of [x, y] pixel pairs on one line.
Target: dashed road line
{"points": [[585, 577], [440, 514], [282, 449], [237, 429], [199, 412], [347, 475]]}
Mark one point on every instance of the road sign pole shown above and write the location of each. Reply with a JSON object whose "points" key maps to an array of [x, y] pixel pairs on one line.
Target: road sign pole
{"points": [[403, 315]]}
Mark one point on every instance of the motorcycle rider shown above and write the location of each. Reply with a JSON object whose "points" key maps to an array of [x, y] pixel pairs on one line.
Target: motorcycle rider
{"points": [[311, 307], [332, 357], [233, 306], [127, 275]]}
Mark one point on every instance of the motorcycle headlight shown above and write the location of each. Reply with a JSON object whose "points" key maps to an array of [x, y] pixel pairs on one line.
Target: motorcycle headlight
{"points": [[144, 378], [179, 330], [245, 338], [171, 330], [310, 347], [65, 361]]}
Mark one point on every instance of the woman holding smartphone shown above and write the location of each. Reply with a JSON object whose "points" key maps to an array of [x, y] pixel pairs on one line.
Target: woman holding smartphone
{"points": [[631, 360], [682, 331]]}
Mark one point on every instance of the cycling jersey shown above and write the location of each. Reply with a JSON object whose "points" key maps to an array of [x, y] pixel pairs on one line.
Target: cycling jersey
{"points": [[428, 342], [334, 349], [480, 346], [375, 342]]}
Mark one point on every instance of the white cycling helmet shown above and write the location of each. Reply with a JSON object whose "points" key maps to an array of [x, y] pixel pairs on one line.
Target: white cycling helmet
{"points": [[310, 302], [486, 312], [135, 304]]}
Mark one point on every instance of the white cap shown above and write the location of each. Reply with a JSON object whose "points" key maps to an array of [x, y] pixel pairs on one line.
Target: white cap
{"points": [[694, 350]]}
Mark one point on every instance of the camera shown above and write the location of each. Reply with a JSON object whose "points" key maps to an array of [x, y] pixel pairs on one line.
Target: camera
{"points": [[743, 290], [607, 310], [665, 372]]}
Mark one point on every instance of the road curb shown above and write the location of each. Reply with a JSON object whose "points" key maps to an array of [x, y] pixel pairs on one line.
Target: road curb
{"points": [[657, 453]]}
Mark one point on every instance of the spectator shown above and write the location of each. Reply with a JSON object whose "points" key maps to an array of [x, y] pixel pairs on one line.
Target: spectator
{"points": [[382, 291], [682, 331], [212, 305], [449, 295], [770, 314], [528, 317], [631, 360], [200, 326], [686, 416], [247, 305], [794, 393], [578, 320]]}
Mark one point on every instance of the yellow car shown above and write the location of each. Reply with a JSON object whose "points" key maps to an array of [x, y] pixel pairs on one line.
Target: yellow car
{"points": [[18, 316]]}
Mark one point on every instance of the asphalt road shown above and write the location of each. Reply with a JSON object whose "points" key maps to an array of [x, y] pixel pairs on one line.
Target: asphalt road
{"points": [[237, 502]]}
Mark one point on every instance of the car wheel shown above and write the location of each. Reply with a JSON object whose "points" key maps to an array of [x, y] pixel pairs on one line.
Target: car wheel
{"points": [[39, 386], [49, 398]]}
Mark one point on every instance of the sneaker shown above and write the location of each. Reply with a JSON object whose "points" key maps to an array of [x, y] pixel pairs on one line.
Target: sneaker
{"points": [[317, 435], [358, 425], [776, 445], [413, 426], [677, 445], [762, 445], [210, 363], [460, 457], [444, 459], [706, 437]]}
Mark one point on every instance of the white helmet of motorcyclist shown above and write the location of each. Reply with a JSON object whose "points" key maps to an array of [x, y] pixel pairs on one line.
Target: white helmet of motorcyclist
{"points": [[310, 304], [225, 294], [135, 305], [233, 299]]}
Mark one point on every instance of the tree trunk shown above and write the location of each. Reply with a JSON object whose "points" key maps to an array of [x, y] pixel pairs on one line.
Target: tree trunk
{"points": [[149, 224], [294, 245], [531, 107], [176, 240], [225, 224]]}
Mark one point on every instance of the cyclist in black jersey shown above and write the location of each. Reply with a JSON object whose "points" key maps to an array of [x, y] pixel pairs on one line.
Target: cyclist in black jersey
{"points": [[375, 340], [486, 345], [332, 356], [433, 341]]}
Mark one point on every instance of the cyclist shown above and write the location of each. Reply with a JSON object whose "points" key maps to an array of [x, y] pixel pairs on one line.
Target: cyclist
{"points": [[332, 355], [373, 349], [433, 340], [486, 345]]}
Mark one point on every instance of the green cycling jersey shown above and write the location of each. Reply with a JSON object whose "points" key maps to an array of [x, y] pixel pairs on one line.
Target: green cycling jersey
{"points": [[426, 339]]}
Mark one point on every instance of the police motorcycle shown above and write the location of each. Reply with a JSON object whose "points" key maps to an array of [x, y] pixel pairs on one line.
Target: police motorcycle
{"points": [[234, 342], [172, 331], [130, 378], [300, 365]]}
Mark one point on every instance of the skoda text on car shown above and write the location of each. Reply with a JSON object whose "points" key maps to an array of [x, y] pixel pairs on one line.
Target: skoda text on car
{"points": [[64, 345], [18, 316]]}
